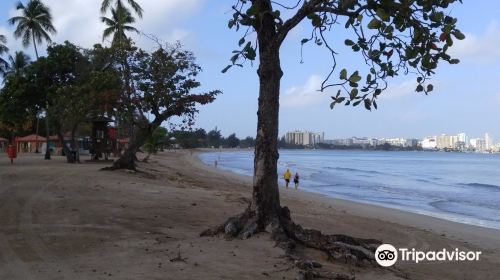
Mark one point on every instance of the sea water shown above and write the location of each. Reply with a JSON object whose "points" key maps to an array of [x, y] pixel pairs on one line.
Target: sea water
{"points": [[461, 187]]}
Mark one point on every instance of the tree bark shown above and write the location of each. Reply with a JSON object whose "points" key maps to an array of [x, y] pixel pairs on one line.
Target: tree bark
{"points": [[265, 198], [128, 158]]}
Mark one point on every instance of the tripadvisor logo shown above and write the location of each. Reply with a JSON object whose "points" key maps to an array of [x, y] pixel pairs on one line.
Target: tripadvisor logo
{"points": [[387, 255]]}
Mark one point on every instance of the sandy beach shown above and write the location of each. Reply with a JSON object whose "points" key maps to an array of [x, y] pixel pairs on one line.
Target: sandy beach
{"points": [[67, 221]]}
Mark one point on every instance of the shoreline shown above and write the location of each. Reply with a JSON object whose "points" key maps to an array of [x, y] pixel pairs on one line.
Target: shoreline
{"points": [[485, 237], [73, 221]]}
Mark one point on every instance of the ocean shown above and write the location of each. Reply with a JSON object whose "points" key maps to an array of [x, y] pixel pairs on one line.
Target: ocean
{"points": [[461, 187]]}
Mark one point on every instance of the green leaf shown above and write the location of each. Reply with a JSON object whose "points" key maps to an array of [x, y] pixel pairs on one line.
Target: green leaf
{"points": [[251, 54], [454, 61], [348, 42], [315, 20], [368, 104], [459, 35], [241, 42], [226, 68], [354, 78], [382, 14], [354, 93], [374, 24], [430, 88], [420, 88], [343, 74], [235, 57]]}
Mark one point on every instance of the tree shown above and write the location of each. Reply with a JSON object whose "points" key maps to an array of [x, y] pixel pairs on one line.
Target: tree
{"points": [[17, 64], [391, 36], [162, 87], [78, 89], [155, 142], [201, 137], [106, 4], [3, 50], [248, 142], [232, 141], [34, 25], [214, 138], [20, 100], [118, 24]]}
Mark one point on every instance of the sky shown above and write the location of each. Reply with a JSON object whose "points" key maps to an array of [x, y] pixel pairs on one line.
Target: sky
{"points": [[466, 97]]}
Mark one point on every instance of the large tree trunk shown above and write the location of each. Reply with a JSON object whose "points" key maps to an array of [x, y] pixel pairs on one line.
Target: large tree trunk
{"points": [[128, 158], [265, 198], [66, 150]]}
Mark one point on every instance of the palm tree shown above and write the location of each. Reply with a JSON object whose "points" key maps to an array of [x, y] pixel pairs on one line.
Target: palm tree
{"points": [[17, 64], [3, 49], [106, 4], [117, 25], [35, 24]]}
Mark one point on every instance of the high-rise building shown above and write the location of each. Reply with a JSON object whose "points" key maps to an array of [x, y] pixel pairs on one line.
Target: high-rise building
{"points": [[478, 144], [462, 137], [488, 142], [305, 138]]}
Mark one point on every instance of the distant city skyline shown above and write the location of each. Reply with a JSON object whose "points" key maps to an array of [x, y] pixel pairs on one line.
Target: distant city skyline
{"points": [[460, 142]]}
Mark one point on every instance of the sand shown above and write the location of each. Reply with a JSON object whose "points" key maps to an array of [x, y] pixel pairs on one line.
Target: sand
{"points": [[72, 221]]}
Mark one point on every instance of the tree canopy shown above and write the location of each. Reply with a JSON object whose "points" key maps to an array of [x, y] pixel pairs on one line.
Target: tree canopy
{"points": [[34, 24], [392, 37], [107, 4], [117, 25]]}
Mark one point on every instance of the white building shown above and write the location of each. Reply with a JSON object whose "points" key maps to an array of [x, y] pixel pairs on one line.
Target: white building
{"points": [[478, 144], [488, 142], [305, 138], [462, 137], [429, 143]]}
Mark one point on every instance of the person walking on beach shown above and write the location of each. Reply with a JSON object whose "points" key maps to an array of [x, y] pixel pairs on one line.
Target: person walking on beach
{"points": [[296, 180], [287, 176]]}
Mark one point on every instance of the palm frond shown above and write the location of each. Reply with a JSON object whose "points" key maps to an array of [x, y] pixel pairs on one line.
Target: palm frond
{"points": [[105, 5], [35, 23], [136, 7]]}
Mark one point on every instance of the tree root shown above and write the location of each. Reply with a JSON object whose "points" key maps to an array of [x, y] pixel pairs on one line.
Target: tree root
{"points": [[288, 235], [243, 226]]}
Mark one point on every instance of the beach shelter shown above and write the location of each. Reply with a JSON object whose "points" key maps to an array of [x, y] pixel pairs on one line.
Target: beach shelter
{"points": [[28, 144]]}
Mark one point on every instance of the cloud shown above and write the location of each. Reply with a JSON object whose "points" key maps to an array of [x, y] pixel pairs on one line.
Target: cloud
{"points": [[399, 90], [306, 95], [78, 21], [482, 48]]}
